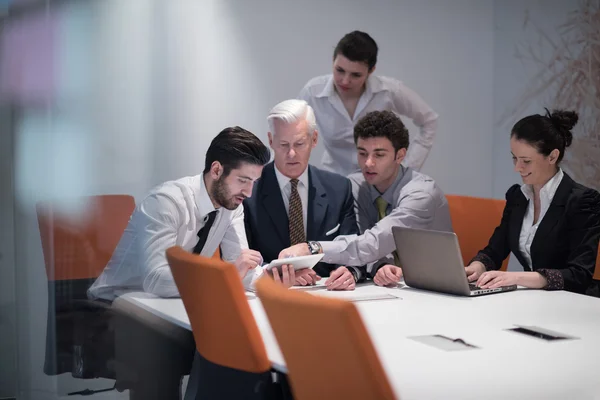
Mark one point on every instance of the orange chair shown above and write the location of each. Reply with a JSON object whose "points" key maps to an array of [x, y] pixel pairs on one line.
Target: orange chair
{"points": [[299, 320], [474, 220], [76, 248], [232, 356], [80, 248]]}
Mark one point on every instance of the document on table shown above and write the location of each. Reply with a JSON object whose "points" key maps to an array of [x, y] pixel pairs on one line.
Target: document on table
{"points": [[320, 285], [354, 296]]}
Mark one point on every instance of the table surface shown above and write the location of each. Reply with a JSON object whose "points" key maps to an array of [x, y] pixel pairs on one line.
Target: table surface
{"points": [[505, 365]]}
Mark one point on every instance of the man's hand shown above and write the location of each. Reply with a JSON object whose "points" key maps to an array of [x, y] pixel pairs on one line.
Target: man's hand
{"points": [[300, 249], [340, 279], [388, 275], [474, 270], [247, 260], [306, 277], [289, 277]]}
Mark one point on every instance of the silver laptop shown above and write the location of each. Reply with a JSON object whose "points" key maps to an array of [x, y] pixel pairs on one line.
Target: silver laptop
{"points": [[431, 260]]}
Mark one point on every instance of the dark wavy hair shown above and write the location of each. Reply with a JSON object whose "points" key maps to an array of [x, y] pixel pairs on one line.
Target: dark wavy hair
{"points": [[547, 132], [382, 124]]}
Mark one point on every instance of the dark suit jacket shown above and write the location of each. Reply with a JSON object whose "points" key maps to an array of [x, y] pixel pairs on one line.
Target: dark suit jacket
{"points": [[565, 245], [330, 203]]}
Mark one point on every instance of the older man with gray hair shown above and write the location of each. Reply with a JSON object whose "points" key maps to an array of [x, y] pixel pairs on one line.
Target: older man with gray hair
{"points": [[294, 202]]}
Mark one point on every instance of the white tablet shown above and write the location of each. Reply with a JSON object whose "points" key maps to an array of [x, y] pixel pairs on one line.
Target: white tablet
{"points": [[301, 262]]}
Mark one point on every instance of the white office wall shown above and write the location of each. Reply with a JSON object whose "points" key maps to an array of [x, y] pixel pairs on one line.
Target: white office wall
{"points": [[229, 61]]}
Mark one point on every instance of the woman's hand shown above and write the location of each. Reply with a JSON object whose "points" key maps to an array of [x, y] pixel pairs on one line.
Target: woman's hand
{"points": [[474, 270]]}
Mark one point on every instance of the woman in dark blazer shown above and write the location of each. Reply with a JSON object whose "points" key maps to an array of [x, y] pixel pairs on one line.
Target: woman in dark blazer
{"points": [[550, 223]]}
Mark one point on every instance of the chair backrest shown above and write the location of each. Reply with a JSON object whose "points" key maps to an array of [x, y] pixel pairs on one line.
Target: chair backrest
{"points": [[347, 369], [222, 322], [79, 245], [474, 220]]}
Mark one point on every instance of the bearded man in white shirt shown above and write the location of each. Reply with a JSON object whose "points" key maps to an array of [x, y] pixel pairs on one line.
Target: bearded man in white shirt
{"points": [[176, 212], [199, 213], [344, 97]]}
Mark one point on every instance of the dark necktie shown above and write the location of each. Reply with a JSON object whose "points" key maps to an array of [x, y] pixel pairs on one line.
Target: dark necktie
{"points": [[297, 234], [203, 232]]}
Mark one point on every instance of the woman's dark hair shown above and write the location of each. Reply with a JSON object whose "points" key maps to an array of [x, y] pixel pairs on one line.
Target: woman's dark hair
{"points": [[547, 132], [382, 124], [233, 146], [357, 46]]}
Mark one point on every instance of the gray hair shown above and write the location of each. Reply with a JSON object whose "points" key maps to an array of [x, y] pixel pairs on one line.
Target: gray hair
{"points": [[291, 111]]}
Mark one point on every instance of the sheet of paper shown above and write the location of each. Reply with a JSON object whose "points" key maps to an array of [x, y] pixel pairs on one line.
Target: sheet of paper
{"points": [[355, 297], [320, 285]]}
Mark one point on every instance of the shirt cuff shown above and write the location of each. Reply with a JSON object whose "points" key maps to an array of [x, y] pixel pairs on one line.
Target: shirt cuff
{"points": [[358, 273], [332, 252], [554, 278], [486, 260], [251, 277], [379, 264]]}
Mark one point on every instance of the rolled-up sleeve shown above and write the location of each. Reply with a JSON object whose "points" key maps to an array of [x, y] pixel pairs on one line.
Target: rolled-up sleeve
{"points": [[234, 241], [414, 210], [158, 220]]}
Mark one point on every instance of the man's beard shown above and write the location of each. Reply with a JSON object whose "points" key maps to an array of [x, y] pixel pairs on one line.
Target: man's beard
{"points": [[220, 193]]}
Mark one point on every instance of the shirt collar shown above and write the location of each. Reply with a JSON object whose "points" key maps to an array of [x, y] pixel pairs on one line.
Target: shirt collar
{"points": [[388, 195], [203, 201], [548, 190], [373, 85], [284, 180]]}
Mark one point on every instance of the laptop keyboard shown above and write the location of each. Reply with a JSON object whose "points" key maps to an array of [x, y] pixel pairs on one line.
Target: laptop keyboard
{"points": [[473, 286]]}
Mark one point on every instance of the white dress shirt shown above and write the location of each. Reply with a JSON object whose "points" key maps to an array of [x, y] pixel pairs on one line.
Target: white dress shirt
{"points": [[528, 229], [381, 93], [286, 191], [172, 214]]}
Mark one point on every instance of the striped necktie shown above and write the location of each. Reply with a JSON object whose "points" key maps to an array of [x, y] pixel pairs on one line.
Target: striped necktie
{"points": [[297, 234]]}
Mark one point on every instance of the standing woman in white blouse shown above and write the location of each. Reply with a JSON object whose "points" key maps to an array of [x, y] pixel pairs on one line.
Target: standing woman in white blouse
{"points": [[342, 98], [550, 223]]}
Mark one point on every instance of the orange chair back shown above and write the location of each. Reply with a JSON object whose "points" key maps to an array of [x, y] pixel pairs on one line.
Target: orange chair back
{"points": [[222, 322], [349, 369], [78, 246], [474, 220]]}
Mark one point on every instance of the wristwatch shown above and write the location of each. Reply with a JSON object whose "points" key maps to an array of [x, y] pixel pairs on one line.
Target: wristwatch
{"points": [[354, 274], [314, 247]]}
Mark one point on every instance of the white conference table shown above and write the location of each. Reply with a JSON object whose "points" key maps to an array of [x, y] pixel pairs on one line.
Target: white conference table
{"points": [[505, 365]]}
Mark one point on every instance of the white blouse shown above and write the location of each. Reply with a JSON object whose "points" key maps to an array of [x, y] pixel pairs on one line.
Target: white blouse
{"points": [[336, 127], [528, 229]]}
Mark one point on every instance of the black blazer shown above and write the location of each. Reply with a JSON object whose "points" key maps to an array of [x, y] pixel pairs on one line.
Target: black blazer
{"points": [[330, 205], [565, 245]]}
